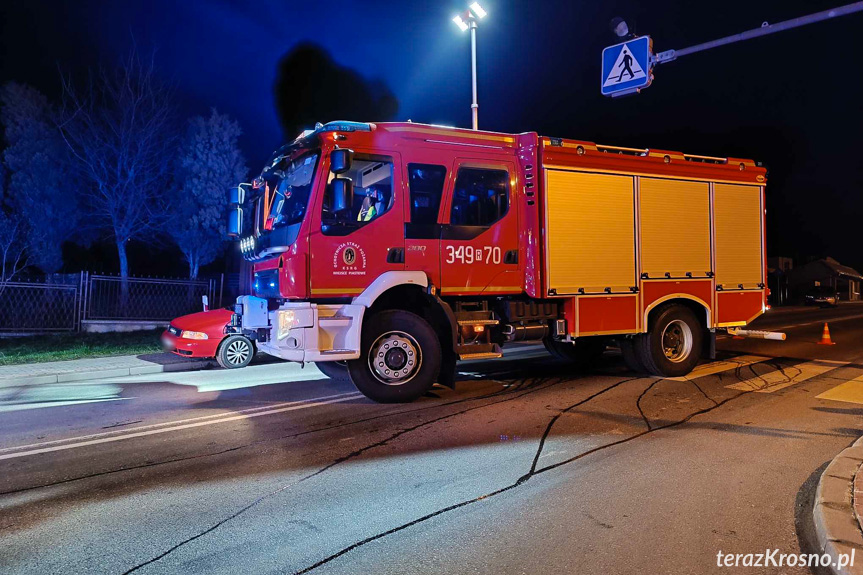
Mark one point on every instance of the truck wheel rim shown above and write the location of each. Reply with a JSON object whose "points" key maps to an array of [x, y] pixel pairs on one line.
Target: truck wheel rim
{"points": [[237, 352], [677, 341], [395, 358]]}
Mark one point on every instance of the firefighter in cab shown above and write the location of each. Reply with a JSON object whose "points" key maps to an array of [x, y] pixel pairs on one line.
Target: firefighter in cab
{"points": [[370, 208]]}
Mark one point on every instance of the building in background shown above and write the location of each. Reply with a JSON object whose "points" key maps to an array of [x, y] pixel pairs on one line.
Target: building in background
{"points": [[777, 280], [825, 272]]}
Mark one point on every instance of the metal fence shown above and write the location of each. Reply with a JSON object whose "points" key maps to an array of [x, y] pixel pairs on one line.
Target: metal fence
{"points": [[45, 307], [63, 303], [143, 299]]}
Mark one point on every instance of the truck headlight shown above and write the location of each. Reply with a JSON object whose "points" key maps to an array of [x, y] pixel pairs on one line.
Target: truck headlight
{"points": [[287, 322], [185, 334]]}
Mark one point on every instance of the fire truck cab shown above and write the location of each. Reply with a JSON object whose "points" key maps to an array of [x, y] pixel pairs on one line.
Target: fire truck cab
{"points": [[396, 249]]}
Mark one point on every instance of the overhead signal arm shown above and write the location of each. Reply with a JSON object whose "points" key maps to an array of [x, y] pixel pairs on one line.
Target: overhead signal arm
{"points": [[764, 30]]}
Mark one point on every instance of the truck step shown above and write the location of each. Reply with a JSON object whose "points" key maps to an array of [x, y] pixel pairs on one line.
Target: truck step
{"points": [[488, 355], [471, 322], [479, 351]]}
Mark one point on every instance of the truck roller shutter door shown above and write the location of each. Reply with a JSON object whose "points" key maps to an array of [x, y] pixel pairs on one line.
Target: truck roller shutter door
{"points": [[737, 220], [675, 228], [590, 237]]}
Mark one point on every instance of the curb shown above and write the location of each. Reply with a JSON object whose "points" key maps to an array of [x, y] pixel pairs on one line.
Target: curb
{"points": [[836, 525], [75, 376]]}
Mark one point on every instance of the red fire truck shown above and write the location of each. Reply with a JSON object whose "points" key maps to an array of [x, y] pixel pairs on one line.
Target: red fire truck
{"points": [[390, 251]]}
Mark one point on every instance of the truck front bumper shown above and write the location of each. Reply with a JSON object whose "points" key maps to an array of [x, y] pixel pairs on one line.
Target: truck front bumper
{"points": [[303, 331]]}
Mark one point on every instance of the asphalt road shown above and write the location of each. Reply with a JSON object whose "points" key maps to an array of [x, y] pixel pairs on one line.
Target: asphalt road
{"points": [[527, 467]]}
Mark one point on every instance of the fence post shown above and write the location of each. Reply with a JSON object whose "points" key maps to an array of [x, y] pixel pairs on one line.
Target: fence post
{"points": [[221, 288], [79, 297], [86, 297]]}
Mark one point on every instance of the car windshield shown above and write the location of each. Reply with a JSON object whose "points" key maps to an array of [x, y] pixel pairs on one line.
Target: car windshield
{"points": [[290, 186]]}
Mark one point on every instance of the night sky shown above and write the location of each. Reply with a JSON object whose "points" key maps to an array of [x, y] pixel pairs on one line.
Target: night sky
{"points": [[791, 101]]}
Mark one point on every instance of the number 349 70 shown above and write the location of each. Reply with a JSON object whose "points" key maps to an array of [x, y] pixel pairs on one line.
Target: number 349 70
{"points": [[470, 254]]}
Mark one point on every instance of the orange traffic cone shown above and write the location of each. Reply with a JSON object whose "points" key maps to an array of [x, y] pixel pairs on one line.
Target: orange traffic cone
{"points": [[825, 336]]}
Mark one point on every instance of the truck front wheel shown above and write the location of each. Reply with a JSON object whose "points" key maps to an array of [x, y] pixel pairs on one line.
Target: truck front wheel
{"points": [[335, 370], [672, 345], [399, 358]]}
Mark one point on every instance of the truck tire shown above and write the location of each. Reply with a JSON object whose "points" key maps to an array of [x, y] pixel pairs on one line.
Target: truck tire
{"points": [[235, 351], [400, 357], [582, 353], [672, 345], [630, 356], [335, 370]]}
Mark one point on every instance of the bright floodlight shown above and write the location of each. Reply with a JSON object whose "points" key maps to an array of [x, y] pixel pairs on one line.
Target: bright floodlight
{"points": [[460, 23], [477, 9]]}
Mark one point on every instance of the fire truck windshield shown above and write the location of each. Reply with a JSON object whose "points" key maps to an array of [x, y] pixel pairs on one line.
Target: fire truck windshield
{"points": [[286, 196]]}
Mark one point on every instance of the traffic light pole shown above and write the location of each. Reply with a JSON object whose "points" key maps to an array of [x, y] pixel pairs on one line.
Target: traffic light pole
{"points": [[766, 29]]}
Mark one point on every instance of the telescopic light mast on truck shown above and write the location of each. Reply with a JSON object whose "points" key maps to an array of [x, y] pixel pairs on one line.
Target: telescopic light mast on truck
{"points": [[393, 250]]}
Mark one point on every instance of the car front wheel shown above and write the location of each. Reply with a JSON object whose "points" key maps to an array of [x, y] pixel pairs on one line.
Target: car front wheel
{"points": [[235, 351]]}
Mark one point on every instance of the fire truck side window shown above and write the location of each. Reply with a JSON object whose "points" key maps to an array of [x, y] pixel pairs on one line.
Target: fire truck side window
{"points": [[373, 195], [426, 185], [480, 197]]}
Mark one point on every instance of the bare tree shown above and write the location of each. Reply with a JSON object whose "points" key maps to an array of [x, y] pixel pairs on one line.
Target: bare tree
{"points": [[119, 131], [209, 162], [12, 250]]}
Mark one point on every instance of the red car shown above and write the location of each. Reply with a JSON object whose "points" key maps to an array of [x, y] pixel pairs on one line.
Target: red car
{"points": [[208, 334]]}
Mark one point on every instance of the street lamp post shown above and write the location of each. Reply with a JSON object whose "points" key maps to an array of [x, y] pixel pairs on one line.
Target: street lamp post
{"points": [[468, 21]]}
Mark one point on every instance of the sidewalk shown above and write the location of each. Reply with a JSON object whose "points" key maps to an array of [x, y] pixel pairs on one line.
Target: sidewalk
{"points": [[95, 368], [838, 512]]}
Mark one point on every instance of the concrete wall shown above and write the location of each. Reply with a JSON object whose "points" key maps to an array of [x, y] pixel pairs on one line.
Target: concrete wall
{"points": [[105, 326]]}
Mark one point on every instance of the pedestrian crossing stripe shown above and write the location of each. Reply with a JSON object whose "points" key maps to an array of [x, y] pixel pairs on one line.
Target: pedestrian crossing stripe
{"points": [[786, 377], [720, 366], [849, 392], [625, 65]]}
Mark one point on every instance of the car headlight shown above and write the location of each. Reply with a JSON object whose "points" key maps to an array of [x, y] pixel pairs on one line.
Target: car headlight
{"points": [[193, 335]]}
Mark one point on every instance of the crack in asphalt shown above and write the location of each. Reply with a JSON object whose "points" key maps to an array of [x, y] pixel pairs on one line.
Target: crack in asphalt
{"points": [[508, 389], [638, 402], [704, 393], [536, 384], [526, 477]]}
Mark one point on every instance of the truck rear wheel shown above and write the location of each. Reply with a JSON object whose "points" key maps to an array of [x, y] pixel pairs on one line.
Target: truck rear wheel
{"points": [[335, 370], [672, 345], [581, 353], [630, 355], [399, 359]]}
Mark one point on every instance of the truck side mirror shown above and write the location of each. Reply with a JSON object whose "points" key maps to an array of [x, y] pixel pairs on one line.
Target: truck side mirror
{"points": [[235, 222], [237, 196], [343, 194], [340, 160]]}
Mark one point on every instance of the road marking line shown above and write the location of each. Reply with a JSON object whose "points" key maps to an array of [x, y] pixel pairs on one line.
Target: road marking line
{"points": [[776, 380], [720, 366], [849, 392], [169, 423], [819, 322], [96, 439], [42, 404]]}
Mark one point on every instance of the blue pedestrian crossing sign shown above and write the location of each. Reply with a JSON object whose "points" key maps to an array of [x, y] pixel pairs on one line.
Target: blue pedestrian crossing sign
{"points": [[626, 67]]}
